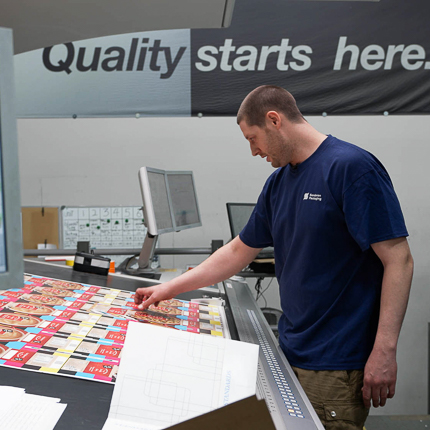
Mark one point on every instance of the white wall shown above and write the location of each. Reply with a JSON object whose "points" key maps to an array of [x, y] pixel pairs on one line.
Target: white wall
{"points": [[95, 162]]}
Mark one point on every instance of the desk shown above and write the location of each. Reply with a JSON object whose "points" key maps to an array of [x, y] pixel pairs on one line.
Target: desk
{"points": [[87, 401]]}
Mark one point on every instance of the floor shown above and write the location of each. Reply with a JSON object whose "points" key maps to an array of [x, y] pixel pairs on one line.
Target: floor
{"points": [[398, 422]]}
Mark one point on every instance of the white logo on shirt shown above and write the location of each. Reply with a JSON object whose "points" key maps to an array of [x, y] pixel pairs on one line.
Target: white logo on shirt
{"points": [[310, 196]]}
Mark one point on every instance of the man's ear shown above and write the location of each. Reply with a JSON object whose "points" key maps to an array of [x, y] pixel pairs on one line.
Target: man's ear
{"points": [[273, 119]]}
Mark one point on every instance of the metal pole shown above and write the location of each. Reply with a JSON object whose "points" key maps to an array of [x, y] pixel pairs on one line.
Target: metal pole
{"points": [[119, 251]]}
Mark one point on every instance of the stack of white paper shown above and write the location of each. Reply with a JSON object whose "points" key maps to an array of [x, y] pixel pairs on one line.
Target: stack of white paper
{"points": [[168, 376], [21, 411]]}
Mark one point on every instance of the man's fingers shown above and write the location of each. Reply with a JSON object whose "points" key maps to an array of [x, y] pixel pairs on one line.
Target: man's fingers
{"points": [[138, 295], [376, 396], [147, 301], [383, 395], [391, 390], [367, 393]]}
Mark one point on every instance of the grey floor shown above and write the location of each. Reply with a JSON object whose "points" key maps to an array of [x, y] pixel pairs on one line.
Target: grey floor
{"points": [[398, 422]]}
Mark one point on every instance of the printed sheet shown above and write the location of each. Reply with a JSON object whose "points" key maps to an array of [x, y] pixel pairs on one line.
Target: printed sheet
{"points": [[78, 330]]}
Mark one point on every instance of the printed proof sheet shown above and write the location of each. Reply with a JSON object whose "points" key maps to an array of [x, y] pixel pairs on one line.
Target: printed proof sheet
{"points": [[78, 330], [168, 376]]}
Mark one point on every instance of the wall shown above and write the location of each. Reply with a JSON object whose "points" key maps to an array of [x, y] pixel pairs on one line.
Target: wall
{"points": [[95, 162]]}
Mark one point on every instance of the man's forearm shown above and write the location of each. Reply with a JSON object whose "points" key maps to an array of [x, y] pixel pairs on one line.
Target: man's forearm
{"points": [[225, 262], [380, 373], [396, 286]]}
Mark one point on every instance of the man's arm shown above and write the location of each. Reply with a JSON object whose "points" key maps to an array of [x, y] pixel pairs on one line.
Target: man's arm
{"points": [[225, 262], [380, 373]]}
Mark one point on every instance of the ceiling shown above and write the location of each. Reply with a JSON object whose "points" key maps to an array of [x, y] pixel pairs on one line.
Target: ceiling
{"points": [[41, 23]]}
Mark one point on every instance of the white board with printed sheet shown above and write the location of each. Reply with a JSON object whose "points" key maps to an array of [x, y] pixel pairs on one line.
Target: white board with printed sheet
{"points": [[103, 226]]}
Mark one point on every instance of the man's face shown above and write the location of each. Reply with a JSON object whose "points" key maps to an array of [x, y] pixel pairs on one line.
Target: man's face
{"points": [[267, 144]]}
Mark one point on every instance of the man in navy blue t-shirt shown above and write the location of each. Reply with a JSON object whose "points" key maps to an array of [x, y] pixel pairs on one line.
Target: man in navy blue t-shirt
{"points": [[342, 259]]}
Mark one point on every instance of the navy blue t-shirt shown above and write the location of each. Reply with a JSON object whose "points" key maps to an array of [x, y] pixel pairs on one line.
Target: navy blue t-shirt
{"points": [[321, 217]]}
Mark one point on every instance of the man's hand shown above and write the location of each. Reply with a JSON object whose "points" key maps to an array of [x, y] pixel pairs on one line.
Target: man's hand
{"points": [[145, 297], [380, 375]]}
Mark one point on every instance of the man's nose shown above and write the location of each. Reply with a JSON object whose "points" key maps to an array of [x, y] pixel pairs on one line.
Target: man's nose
{"points": [[254, 151]]}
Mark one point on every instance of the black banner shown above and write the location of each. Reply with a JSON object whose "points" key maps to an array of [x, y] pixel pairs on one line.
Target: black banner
{"points": [[334, 57]]}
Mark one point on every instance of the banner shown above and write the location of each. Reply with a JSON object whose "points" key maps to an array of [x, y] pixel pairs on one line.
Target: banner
{"points": [[334, 57]]}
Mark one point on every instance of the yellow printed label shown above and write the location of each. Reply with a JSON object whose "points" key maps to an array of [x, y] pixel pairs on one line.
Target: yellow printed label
{"points": [[216, 333], [86, 324], [214, 313], [215, 322], [48, 369], [61, 354], [80, 336]]}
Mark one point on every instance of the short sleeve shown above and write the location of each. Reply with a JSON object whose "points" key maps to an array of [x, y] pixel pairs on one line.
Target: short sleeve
{"points": [[372, 210], [257, 233]]}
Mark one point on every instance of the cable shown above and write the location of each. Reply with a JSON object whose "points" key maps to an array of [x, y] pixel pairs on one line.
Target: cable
{"points": [[261, 293]]}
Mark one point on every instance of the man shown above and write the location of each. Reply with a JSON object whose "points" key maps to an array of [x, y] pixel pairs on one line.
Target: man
{"points": [[343, 263]]}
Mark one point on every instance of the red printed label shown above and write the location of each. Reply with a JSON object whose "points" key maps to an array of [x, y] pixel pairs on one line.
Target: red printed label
{"points": [[114, 335], [3, 303], [193, 324], [66, 314], [76, 305], [121, 323], [55, 326], [22, 357], [11, 317], [40, 339], [109, 351], [99, 369], [11, 294]]}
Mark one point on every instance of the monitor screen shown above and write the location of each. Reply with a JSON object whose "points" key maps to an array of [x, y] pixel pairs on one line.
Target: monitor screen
{"points": [[156, 205], [11, 257], [238, 216], [183, 200], [160, 201]]}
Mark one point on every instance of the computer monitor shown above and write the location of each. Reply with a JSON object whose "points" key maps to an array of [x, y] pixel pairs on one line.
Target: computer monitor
{"points": [[183, 197], [238, 216], [11, 257], [156, 205], [169, 205]]}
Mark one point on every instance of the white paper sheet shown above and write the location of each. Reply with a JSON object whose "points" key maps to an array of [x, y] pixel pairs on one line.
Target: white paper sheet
{"points": [[21, 411], [167, 376]]}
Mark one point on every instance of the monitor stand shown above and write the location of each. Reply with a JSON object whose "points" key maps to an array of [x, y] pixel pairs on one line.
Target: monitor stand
{"points": [[145, 257]]}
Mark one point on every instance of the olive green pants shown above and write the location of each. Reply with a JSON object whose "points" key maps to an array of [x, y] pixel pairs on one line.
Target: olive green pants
{"points": [[336, 397]]}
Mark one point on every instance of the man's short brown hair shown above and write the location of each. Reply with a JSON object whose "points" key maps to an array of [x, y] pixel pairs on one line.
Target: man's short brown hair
{"points": [[264, 99]]}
